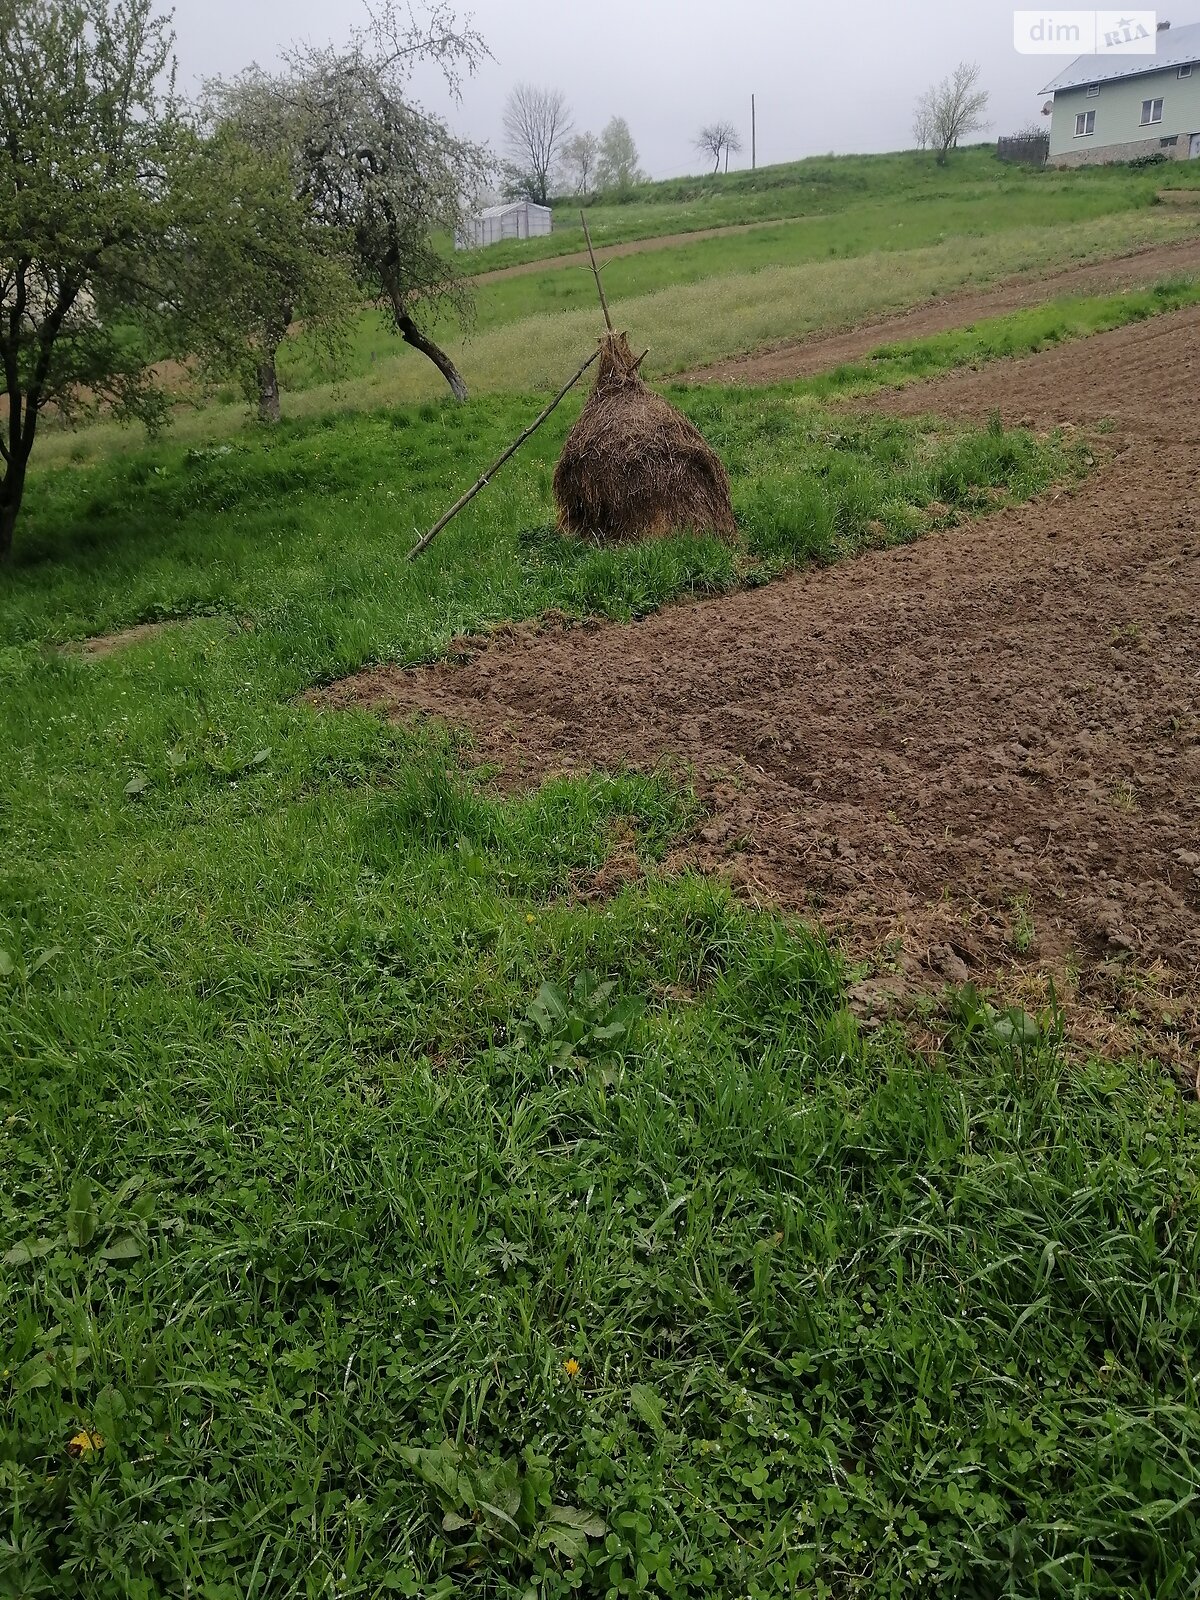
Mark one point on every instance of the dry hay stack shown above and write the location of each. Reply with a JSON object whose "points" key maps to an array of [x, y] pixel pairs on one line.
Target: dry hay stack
{"points": [[633, 466]]}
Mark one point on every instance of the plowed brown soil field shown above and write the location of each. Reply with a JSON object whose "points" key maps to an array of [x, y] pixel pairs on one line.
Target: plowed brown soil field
{"points": [[800, 358], [975, 755]]}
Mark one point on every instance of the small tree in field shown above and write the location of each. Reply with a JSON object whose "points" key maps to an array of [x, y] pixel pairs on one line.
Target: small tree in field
{"points": [[922, 125], [112, 212], [716, 140], [537, 125], [270, 251], [579, 158], [380, 175], [618, 165], [951, 110]]}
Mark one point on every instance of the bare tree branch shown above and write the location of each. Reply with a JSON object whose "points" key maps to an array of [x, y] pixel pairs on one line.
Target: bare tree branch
{"points": [[537, 124], [716, 140], [951, 110]]}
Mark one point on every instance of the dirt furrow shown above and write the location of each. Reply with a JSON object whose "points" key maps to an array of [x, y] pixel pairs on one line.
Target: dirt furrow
{"points": [[821, 352], [979, 749]]}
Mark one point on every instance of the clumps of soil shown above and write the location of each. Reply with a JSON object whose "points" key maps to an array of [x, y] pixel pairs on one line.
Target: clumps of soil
{"points": [[466, 647], [634, 467]]}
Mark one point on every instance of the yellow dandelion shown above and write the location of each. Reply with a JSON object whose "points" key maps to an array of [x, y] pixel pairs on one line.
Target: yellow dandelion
{"points": [[571, 1367], [84, 1444], [531, 919]]}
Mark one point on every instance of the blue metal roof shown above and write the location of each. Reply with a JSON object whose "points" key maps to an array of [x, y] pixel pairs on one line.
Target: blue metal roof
{"points": [[1176, 47]]}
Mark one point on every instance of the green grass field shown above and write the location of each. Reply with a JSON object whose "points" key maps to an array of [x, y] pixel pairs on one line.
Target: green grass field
{"points": [[826, 186], [687, 325], [702, 301], [382, 1213]]}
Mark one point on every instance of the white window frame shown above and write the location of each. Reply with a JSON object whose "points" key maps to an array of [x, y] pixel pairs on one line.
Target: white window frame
{"points": [[1093, 90], [1085, 124], [1186, 71], [1149, 120]]}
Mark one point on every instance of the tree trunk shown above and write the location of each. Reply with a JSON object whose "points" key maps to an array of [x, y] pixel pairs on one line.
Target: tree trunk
{"points": [[12, 490], [411, 334], [268, 390]]}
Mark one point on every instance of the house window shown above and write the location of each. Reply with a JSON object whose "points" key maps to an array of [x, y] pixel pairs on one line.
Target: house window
{"points": [[1085, 123], [1151, 112], [1168, 144], [1093, 90], [1185, 72]]}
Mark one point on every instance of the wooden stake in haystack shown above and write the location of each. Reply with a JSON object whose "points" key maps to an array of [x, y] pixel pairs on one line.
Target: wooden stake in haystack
{"points": [[633, 466]]}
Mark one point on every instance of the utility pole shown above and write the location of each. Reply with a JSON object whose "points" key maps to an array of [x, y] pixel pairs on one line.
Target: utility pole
{"points": [[753, 136]]}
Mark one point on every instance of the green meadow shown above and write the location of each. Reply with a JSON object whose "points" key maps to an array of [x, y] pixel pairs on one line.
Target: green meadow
{"points": [[823, 186], [380, 1212]]}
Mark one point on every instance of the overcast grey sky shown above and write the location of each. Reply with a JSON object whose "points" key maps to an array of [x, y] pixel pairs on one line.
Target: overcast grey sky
{"points": [[828, 76]]}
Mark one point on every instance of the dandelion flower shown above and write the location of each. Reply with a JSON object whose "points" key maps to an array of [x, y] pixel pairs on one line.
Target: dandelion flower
{"points": [[571, 1367]]}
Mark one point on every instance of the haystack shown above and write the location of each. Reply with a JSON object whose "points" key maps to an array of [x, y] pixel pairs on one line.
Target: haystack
{"points": [[633, 466]]}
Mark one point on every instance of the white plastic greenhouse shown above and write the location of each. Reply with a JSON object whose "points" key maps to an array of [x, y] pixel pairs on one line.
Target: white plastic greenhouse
{"points": [[519, 219]]}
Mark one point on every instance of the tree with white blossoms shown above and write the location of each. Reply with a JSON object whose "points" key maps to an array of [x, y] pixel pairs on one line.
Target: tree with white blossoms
{"points": [[123, 233], [382, 175]]}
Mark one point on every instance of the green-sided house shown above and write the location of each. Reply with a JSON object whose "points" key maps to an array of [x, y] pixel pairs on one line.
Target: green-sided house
{"points": [[1120, 107]]}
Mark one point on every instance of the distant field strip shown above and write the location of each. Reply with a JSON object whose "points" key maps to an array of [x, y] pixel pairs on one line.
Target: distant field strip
{"points": [[687, 325], [1018, 333], [627, 247], [822, 185], [897, 226]]}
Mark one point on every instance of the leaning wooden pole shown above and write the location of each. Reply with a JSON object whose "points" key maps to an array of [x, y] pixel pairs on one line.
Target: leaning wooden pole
{"points": [[482, 483], [587, 234]]}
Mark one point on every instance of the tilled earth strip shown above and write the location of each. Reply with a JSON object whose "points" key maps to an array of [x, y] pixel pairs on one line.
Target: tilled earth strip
{"points": [[802, 358], [979, 752]]}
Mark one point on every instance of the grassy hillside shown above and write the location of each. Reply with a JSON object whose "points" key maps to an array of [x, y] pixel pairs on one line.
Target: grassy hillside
{"points": [[876, 227], [323, 1239], [865, 235], [819, 186], [386, 1210], [685, 324]]}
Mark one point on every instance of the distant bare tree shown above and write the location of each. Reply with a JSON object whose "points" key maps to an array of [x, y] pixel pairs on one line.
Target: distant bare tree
{"points": [[537, 124], [579, 158], [954, 108], [716, 140], [922, 125]]}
